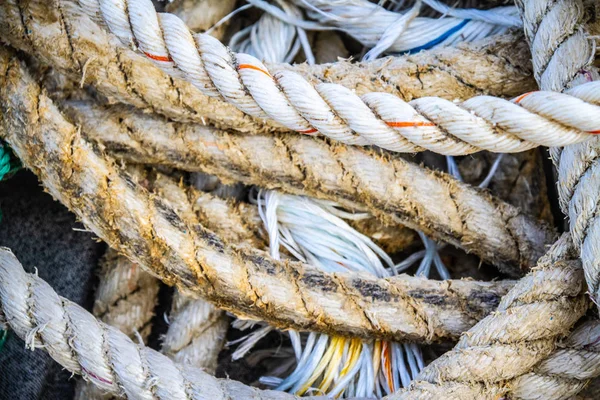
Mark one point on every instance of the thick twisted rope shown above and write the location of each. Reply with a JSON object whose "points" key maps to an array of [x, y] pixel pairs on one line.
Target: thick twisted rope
{"points": [[392, 189], [125, 299], [236, 278], [126, 296], [563, 55], [59, 34], [110, 360], [100, 353], [501, 354], [380, 119]]}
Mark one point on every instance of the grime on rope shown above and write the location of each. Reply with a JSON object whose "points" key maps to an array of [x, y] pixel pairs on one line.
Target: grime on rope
{"points": [[445, 127]]}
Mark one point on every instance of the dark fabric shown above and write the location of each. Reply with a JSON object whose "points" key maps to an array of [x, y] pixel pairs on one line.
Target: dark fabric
{"points": [[40, 232]]}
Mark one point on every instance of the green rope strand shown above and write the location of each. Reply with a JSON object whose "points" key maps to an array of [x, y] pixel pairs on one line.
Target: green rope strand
{"points": [[9, 164]]}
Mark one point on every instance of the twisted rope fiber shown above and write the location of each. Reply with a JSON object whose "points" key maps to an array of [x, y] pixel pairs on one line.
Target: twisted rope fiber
{"points": [[372, 119], [238, 279], [100, 353], [37, 314], [126, 295], [125, 299], [577, 165], [501, 354], [392, 189], [61, 35]]}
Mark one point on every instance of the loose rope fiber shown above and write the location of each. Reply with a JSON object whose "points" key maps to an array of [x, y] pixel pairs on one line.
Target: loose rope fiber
{"points": [[500, 356], [62, 36], [236, 278], [380, 119], [393, 189]]}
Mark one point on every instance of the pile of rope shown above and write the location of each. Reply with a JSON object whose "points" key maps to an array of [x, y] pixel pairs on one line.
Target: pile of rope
{"points": [[239, 152]]}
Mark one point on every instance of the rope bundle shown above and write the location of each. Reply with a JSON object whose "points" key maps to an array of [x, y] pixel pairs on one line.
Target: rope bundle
{"points": [[214, 249]]}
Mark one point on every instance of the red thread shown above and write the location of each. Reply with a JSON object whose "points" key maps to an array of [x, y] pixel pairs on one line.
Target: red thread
{"points": [[96, 377], [308, 131], [597, 132]]}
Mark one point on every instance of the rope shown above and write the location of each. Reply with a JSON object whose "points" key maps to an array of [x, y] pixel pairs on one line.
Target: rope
{"points": [[497, 66], [100, 353], [125, 299], [394, 190], [380, 119], [110, 360], [501, 354], [8, 163], [563, 59], [244, 281]]}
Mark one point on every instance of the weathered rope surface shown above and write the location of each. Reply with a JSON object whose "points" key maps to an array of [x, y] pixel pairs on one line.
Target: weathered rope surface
{"points": [[126, 296], [110, 360], [498, 355], [563, 58], [125, 299], [235, 278], [100, 353], [59, 34], [392, 189], [381, 119]]}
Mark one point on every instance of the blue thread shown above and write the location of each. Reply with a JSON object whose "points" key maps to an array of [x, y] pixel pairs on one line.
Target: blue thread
{"points": [[439, 39]]}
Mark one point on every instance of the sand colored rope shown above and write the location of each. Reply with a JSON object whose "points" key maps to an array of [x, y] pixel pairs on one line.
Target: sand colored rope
{"points": [[393, 189], [68, 40], [333, 110], [238, 279], [110, 360], [498, 355], [196, 333]]}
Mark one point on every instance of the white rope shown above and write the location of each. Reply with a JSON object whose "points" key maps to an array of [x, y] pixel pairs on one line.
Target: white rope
{"points": [[367, 23], [445, 127], [324, 364], [271, 39]]}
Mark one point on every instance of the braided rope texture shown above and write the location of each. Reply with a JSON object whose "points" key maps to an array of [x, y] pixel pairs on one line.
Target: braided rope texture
{"points": [[61, 35], [512, 351], [283, 97], [125, 299], [563, 58], [109, 359], [100, 353], [236, 278], [333, 110], [391, 188]]}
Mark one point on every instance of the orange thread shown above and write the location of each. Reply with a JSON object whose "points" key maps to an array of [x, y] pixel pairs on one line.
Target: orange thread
{"points": [[158, 58], [250, 66], [409, 124], [597, 132], [308, 131], [521, 97]]}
